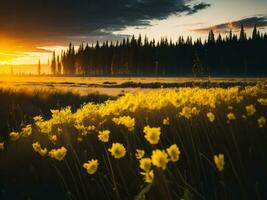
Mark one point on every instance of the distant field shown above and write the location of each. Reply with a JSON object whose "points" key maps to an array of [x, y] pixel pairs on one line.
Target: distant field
{"points": [[115, 85]]}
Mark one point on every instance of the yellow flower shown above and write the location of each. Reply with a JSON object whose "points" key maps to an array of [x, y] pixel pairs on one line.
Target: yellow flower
{"points": [[45, 126], [37, 148], [52, 138], [14, 136], [195, 111], [166, 121], [231, 116], [126, 121], [159, 158], [186, 112], [219, 161], [145, 164], [26, 131], [139, 154], [244, 116], [263, 101], [91, 128], [82, 129], [43, 152], [63, 116], [58, 154], [2, 145], [250, 110], [174, 152], [79, 139], [211, 116], [91, 166], [59, 130], [117, 150], [104, 135], [261, 121], [152, 135], [148, 176], [38, 118]]}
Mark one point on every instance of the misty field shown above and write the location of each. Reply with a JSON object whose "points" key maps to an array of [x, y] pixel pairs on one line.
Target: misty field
{"points": [[114, 86], [133, 138]]}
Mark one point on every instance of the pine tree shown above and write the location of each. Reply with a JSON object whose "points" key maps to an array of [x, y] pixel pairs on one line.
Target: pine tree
{"points": [[231, 35], [59, 66], [164, 57], [242, 36], [255, 34], [197, 67], [39, 67], [53, 63], [219, 39], [211, 37]]}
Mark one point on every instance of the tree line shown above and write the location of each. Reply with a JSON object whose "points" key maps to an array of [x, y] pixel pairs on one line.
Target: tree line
{"points": [[230, 55]]}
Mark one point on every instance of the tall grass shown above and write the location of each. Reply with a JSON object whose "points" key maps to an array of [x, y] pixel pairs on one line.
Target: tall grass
{"points": [[19, 106], [193, 176]]}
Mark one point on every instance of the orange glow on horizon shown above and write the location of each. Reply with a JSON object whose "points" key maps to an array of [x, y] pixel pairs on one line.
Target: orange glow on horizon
{"points": [[24, 59], [14, 52], [18, 59]]}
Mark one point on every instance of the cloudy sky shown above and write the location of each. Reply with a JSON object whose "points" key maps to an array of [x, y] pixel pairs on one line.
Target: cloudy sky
{"points": [[30, 28]]}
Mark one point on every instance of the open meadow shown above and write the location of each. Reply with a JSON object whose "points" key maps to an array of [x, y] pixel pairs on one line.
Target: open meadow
{"points": [[133, 138], [114, 86], [133, 100]]}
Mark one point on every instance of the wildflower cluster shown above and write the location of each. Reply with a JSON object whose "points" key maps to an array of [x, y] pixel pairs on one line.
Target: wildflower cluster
{"points": [[211, 116], [126, 121], [107, 122], [37, 148], [14, 136], [250, 110], [2, 145], [58, 154], [26, 131], [139, 154], [166, 121], [159, 159], [231, 116]]}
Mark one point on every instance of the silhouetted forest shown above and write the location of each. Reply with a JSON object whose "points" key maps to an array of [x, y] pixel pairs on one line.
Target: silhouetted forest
{"points": [[231, 55]]}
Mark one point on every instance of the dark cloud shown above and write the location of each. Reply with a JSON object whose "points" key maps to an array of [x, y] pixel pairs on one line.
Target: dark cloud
{"points": [[248, 22], [197, 7], [60, 20]]}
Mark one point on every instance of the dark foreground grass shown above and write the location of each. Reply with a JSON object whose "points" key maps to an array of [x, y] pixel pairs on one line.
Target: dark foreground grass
{"points": [[18, 107], [153, 85], [201, 84]]}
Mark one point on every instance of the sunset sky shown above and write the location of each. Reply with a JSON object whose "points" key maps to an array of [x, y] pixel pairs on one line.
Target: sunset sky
{"points": [[30, 29]]}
